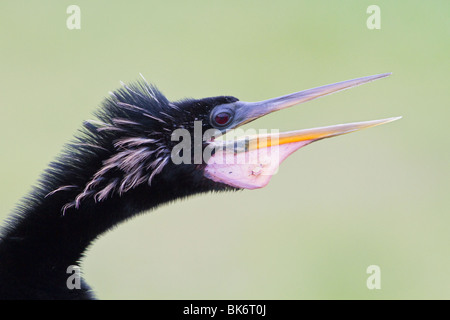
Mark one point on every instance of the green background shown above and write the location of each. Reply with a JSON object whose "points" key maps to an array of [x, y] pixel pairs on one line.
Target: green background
{"points": [[376, 197]]}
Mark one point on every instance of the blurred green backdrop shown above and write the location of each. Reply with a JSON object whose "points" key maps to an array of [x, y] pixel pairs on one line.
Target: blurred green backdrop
{"points": [[380, 196]]}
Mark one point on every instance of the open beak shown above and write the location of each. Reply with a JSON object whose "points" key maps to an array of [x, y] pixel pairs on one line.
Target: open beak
{"points": [[251, 161]]}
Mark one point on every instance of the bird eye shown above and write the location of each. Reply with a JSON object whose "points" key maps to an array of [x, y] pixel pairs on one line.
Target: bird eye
{"points": [[222, 118]]}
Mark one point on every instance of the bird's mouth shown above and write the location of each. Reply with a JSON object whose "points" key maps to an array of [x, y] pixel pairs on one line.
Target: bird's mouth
{"points": [[251, 161]]}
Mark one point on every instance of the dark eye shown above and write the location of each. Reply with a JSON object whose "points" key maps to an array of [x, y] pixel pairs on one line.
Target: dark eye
{"points": [[222, 118]]}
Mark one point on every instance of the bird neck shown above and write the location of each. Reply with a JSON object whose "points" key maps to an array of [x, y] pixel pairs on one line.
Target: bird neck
{"points": [[115, 169], [42, 240]]}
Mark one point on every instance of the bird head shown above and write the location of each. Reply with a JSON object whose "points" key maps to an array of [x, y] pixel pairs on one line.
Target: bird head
{"points": [[143, 139]]}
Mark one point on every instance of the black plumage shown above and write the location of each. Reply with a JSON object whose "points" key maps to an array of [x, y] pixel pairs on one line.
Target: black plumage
{"points": [[75, 201]]}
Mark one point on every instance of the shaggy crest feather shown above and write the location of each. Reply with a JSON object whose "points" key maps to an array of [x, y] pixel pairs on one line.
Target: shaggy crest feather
{"points": [[129, 130]]}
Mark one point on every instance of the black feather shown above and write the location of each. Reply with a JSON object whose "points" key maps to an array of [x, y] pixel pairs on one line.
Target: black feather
{"points": [[75, 201]]}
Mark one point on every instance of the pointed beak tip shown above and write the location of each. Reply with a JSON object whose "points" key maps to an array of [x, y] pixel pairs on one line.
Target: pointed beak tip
{"points": [[378, 76], [394, 119]]}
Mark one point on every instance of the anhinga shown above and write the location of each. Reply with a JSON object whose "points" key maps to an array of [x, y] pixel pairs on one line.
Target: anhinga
{"points": [[122, 165]]}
